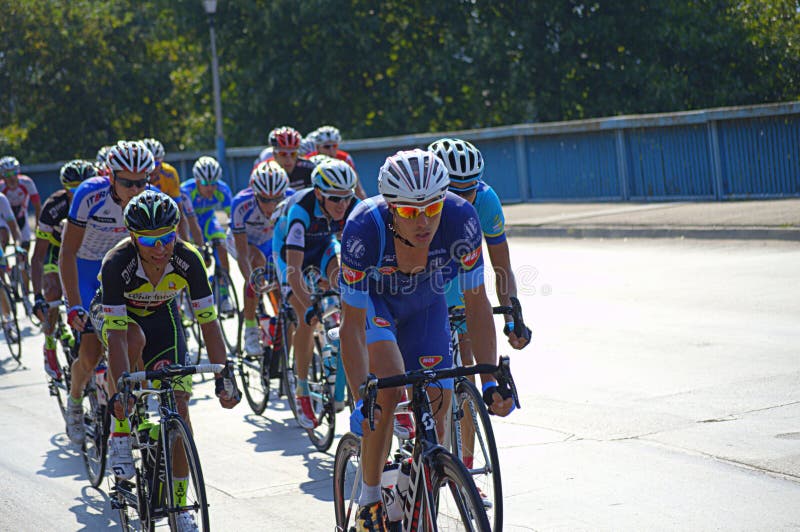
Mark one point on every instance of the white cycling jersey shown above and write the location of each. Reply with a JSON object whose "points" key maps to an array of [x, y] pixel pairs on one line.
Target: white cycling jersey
{"points": [[6, 214], [93, 208]]}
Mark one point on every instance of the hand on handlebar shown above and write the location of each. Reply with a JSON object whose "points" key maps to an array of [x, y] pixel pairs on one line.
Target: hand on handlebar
{"points": [[226, 389], [77, 318]]}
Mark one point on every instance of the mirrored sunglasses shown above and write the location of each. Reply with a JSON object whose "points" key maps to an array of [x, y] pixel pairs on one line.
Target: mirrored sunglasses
{"points": [[153, 241], [287, 153], [336, 199], [130, 183], [430, 210]]}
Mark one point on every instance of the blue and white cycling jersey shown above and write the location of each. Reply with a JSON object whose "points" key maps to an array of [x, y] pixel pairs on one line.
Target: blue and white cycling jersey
{"points": [[93, 208], [304, 227], [409, 309], [247, 219], [493, 226], [219, 201]]}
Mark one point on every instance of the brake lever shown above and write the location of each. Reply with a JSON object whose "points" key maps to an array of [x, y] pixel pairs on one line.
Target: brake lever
{"points": [[520, 331], [503, 375]]}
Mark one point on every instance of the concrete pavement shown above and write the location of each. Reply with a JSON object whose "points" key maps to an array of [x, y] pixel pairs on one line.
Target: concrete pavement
{"points": [[747, 219]]}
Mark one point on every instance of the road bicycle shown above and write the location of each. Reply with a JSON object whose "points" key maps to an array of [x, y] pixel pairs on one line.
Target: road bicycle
{"points": [[9, 322], [470, 436], [223, 289], [434, 489], [20, 291], [152, 495], [276, 360]]}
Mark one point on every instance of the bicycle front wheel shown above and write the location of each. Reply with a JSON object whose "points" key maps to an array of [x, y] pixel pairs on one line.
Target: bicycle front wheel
{"points": [[288, 370], [227, 302], [456, 502], [347, 480], [10, 324], [321, 394], [472, 441], [186, 494], [96, 442], [254, 371]]}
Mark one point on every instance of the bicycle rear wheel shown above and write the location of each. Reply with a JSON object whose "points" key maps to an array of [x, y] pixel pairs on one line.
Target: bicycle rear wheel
{"points": [[223, 287], [254, 371], [347, 480], [472, 441], [66, 353], [190, 495], [288, 369], [322, 404], [96, 443], [457, 504], [10, 324]]}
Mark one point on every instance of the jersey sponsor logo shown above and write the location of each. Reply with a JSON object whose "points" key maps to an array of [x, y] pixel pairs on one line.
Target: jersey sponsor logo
{"points": [[129, 270], [356, 248], [350, 275], [91, 200], [469, 260], [471, 229], [119, 322], [380, 322], [206, 314], [430, 361], [180, 263], [387, 270]]}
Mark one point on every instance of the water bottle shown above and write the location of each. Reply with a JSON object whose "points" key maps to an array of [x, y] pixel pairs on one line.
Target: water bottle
{"points": [[401, 485], [266, 334], [100, 384], [392, 503], [329, 363]]}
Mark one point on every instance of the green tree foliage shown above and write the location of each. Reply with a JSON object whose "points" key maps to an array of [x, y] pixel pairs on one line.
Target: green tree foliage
{"points": [[76, 75]]}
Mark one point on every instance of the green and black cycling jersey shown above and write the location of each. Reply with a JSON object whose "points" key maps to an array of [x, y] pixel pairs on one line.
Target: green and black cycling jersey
{"points": [[126, 290], [54, 211]]}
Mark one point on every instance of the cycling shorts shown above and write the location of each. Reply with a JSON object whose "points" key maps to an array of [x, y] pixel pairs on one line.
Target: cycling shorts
{"points": [[88, 283], [51, 259], [420, 329], [165, 340], [210, 227]]}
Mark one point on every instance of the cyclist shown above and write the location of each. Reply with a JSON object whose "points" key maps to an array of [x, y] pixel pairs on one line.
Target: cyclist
{"points": [[101, 161], [464, 162], [8, 228], [398, 250], [285, 142], [326, 142], [208, 194], [20, 191], [305, 237], [44, 264], [250, 236], [95, 225], [136, 314]]}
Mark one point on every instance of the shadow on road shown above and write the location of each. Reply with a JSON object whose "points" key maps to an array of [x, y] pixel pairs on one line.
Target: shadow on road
{"points": [[93, 510], [65, 460]]}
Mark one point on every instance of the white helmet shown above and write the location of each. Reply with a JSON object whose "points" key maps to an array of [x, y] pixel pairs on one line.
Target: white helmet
{"points": [[327, 134], [206, 169], [464, 161], [333, 174], [321, 158], [307, 145], [155, 146], [413, 176], [9, 164], [269, 179], [130, 156]]}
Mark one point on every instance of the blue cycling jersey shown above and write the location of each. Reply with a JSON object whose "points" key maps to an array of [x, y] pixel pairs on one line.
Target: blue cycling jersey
{"points": [[490, 212], [203, 207]]}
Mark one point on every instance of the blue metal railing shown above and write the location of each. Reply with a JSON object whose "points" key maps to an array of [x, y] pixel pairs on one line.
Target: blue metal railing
{"points": [[738, 152]]}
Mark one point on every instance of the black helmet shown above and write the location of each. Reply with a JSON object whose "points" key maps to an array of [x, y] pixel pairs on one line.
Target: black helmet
{"points": [[151, 210], [75, 172]]}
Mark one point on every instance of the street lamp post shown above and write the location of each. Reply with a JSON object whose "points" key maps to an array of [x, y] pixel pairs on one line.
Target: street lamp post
{"points": [[211, 8]]}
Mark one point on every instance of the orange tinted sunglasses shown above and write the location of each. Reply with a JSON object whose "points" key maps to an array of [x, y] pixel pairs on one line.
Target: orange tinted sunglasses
{"points": [[430, 210]]}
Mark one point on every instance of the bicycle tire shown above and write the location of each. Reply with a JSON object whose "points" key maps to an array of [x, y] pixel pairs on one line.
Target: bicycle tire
{"points": [[322, 405], [288, 369], [65, 356], [463, 510], [346, 480], [228, 321], [485, 470], [95, 445], [254, 373], [173, 431], [10, 326]]}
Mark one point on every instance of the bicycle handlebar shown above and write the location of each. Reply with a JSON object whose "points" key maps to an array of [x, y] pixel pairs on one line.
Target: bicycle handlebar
{"points": [[514, 310], [369, 390], [166, 373]]}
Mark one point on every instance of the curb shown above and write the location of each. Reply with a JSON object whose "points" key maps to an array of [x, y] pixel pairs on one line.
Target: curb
{"points": [[725, 233]]}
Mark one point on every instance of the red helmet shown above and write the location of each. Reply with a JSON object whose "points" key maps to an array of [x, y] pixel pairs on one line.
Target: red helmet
{"points": [[285, 138]]}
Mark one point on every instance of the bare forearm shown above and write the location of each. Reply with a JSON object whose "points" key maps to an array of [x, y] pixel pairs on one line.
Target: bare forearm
{"points": [[117, 357], [212, 335], [37, 265], [354, 355], [68, 268]]}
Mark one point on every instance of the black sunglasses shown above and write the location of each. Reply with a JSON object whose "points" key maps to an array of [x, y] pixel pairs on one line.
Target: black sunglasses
{"points": [[337, 199], [265, 199], [130, 183]]}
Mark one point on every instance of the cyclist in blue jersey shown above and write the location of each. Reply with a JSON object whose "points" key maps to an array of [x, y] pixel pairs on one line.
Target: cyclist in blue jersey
{"points": [[94, 226], [250, 236], [305, 237], [398, 252], [465, 165], [208, 194]]}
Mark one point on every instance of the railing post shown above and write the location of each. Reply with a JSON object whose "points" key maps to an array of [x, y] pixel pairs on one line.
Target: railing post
{"points": [[523, 179], [622, 164], [716, 159]]}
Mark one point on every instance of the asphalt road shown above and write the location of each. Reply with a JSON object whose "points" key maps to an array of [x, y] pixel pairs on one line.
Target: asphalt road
{"points": [[661, 393]]}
